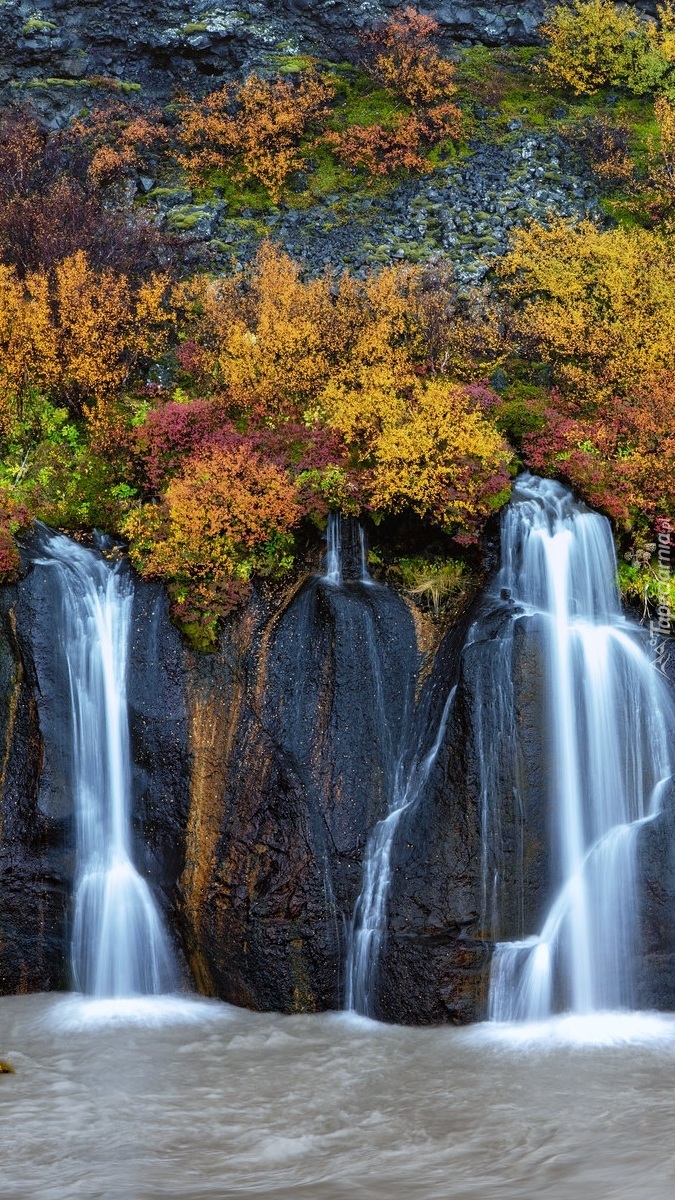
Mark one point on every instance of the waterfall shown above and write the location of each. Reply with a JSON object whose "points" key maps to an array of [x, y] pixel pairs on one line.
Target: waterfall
{"points": [[345, 539], [333, 564], [608, 724], [368, 923], [364, 574], [119, 946]]}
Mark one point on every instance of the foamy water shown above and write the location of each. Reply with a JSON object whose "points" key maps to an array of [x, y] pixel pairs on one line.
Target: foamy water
{"points": [[205, 1100]]}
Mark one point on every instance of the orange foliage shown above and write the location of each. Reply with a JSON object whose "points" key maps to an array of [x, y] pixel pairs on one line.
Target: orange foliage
{"points": [[117, 139], [76, 333], [382, 151], [227, 514], [405, 58], [267, 336], [252, 129], [353, 356]]}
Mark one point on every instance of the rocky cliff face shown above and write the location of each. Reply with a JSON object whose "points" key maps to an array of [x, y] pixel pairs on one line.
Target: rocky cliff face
{"points": [[172, 44], [258, 774]]}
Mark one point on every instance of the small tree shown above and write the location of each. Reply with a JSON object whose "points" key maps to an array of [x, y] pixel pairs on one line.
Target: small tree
{"points": [[403, 56]]}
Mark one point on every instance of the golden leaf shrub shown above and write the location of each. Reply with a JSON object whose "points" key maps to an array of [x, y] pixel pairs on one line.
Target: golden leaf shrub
{"points": [[75, 333], [253, 129], [593, 44], [598, 305], [355, 357]]}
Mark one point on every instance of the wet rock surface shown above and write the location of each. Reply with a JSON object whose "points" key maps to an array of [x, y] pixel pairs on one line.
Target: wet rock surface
{"points": [[259, 773], [34, 858], [323, 699]]}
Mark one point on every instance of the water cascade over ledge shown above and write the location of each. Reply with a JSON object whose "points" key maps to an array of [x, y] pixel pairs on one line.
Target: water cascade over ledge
{"points": [[366, 935], [119, 945], [609, 722]]}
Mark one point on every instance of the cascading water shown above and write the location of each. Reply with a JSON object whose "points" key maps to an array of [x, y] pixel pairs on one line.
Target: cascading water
{"points": [[370, 913], [609, 722], [333, 564], [357, 551], [119, 946]]}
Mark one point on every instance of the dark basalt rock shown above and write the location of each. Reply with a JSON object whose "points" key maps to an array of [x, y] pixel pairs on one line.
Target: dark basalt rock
{"points": [[323, 699], [169, 44], [481, 816], [33, 863], [259, 773]]}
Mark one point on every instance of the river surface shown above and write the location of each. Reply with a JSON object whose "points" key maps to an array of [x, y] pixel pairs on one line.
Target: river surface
{"points": [[191, 1100]]}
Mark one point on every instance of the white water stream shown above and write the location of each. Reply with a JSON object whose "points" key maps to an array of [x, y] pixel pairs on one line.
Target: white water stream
{"points": [[264, 1107], [119, 945], [609, 720]]}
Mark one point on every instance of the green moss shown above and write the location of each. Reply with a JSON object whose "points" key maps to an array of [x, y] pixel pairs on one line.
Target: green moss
{"points": [[116, 85], [184, 217], [238, 196], [55, 82], [358, 101], [201, 637], [37, 25], [291, 64], [194, 27], [642, 585], [436, 584], [160, 193]]}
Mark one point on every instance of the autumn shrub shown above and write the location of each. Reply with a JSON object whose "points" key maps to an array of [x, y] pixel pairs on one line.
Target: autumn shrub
{"points": [[76, 333], [593, 44], [402, 55], [118, 141], [363, 359], [607, 145], [597, 304], [423, 447], [13, 518], [660, 183], [252, 129], [227, 514], [598, 307], [50, 207]]}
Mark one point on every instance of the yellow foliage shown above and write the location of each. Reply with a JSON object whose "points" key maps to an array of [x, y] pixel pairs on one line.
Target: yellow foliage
{"points": [[277, 341], [596, 43], [76, 333], [661, 160], [597, 304], [357, 356], [270, 338], [428, 447]]}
